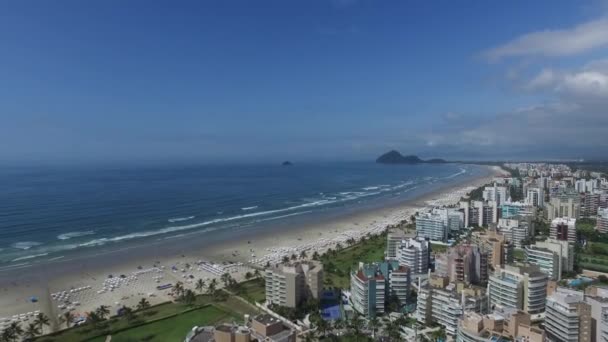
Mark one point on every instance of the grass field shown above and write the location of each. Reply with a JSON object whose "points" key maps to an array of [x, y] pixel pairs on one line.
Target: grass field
{"points": [[171, 329], [231, 309], [253, 291], [337, 266]]}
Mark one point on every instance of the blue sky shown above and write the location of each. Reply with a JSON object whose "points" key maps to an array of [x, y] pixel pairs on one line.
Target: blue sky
{"points": [[302, 80]]}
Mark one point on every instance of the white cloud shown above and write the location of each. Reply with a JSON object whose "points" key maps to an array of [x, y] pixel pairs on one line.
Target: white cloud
{"points": [[546, 78], [589, 83], [562, 42], [586, 85]]}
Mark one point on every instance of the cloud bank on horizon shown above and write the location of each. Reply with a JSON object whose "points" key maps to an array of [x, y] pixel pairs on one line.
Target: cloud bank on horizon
{"points": [[335, 79], [571, 116]]}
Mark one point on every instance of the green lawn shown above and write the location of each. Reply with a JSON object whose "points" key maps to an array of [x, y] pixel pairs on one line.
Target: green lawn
{"points": [[253, 291], [337, 266], [231, 308], [592, 266], [171, 329]]}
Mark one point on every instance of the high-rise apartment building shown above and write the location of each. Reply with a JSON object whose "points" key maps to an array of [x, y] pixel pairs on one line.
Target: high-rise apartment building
{"points": [[290, 285], [518, 287], [468, 264], [445, 306], [563, 229], [568, 317], [416, 254], [373, 284], [602, 220], [563, 259], [431, 226], [535, 197]]}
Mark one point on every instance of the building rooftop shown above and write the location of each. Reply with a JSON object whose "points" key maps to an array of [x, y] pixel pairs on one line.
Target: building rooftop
{"points": [[266, 319]]}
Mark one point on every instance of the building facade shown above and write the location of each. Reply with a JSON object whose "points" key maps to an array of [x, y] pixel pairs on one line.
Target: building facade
{"points": [[415, 254], [373, 284], [518, 287], [568, 318], [290, 285]]}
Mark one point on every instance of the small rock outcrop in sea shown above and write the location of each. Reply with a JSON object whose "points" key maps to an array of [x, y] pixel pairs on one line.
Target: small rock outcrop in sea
{"points": [[394, 157], [287, 163]]}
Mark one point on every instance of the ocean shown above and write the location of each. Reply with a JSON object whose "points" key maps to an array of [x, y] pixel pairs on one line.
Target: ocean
{"points": [[48, 213]]}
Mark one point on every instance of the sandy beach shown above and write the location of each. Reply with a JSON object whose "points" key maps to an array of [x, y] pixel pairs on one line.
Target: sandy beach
{"points": [[119, 278]]}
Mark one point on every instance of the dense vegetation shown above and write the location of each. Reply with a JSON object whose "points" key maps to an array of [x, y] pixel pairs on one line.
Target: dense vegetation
{"points": [[338, 262]]}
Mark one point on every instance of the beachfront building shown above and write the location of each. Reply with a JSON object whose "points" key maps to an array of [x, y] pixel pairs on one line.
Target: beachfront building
{"points": [[394, 238], [498, 194], [453, 218], [602, 220], [568, 317], [415, 254], [535, 197], [563, 229], [445, 306], [518, 287], [479, 213], [431, 226], [291, 284], [373, 284]]}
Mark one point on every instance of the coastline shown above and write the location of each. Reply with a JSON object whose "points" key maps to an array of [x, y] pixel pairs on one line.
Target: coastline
{"points": [[159, 258]]}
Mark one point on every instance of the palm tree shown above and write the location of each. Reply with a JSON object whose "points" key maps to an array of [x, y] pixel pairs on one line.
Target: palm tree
{"points": [[178, 288], [32, 331], [143, 304], [94, 318], [128, 313], [373, 325], [310, 337], [303, 255], [322, 326], [212, 287], [257, 273], [338, 246], [248, 275], [285, 259], [189, 297], [13, 332], [315, 255], [102, 311], [294, 256], [200, 284], [67, 317], [41, 320], [226, 279]]}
